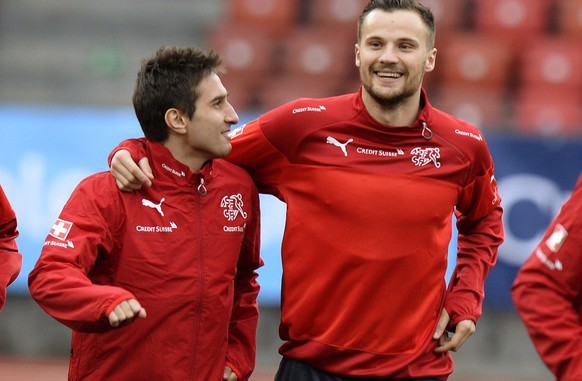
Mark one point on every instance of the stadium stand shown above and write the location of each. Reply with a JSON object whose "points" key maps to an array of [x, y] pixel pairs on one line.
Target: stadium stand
{"points": [[569, 17]]}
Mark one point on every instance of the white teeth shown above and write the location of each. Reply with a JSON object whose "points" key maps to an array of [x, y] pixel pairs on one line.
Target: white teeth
{"points": [[389, 75]]}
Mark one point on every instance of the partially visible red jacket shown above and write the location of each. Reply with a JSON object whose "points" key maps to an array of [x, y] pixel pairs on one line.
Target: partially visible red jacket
{"points": [[547, 292], [10, 258], [187, 249]]}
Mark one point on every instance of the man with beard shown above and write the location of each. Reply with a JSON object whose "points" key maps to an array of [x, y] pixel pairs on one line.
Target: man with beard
{"points": [[371, 181]]}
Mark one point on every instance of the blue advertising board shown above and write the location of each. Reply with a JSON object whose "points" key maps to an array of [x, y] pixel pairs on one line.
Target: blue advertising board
{"points": [[46, 151]]}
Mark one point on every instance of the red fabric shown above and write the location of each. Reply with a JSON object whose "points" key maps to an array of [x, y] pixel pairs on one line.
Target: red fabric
{"points": [[547, 292], [369, 214], [185, 266], [367, 230], [10, 258]]}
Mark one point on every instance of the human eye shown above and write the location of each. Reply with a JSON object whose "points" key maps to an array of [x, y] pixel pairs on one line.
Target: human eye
{"points": [[407, 46], [375, 44]]}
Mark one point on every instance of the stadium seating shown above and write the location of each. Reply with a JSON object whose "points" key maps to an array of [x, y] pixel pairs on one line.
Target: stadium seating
{"points": [[486, 108], [341, 14], [548, 112], [275, 17], [245, 50], [554, 61], [449, 15], [516, 21], [476, 59], [569, 15]]}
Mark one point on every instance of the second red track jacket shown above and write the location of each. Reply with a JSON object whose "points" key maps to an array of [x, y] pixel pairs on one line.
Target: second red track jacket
{"points": [[187, 249], [547, 292], [10, 258]]}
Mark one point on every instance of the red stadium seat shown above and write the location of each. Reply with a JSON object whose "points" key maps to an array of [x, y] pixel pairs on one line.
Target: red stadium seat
{"points": [[270, 16], [246, 51], [570, 17], [243, 91], [515, 20], [448, 14], [548, 112], [337, 13], [552, 61], [482, 107], [285, 88], [475, 59], [319, 51]]}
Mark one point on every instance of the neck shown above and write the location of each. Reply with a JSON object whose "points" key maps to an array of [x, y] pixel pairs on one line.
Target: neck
{"points": [[184, 153]]}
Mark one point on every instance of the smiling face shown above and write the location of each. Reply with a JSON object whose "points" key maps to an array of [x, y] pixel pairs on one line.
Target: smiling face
{"points": [[393, 53], [207, 130]]}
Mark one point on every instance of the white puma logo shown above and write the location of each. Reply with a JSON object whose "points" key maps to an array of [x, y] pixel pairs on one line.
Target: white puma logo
{"points": [[332, 140], [150, 204]]}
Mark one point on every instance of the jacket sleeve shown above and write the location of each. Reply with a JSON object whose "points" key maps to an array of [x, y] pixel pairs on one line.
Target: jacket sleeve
{"points": [[69, 280], [480, 232], [135, 146], [245, 314], [252, 151], [547, 292], [10, 258]]}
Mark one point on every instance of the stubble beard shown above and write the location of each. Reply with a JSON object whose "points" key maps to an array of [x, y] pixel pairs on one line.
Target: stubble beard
{"points": [[394, 98]]}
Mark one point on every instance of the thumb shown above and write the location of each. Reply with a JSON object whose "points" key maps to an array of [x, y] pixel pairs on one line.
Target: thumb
{"points": [[441, 325], [144, 165]]}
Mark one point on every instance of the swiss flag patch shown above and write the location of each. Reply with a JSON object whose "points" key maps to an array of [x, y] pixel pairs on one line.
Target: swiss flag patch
{"points": [[61, 229]]}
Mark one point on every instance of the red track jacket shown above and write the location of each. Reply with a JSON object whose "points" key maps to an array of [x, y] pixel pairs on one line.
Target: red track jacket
{"points": [[187, 249], [547, 292], [10, 258], [369, 220]]}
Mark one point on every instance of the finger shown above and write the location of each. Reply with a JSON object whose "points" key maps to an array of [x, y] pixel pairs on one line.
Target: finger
{"points": [[128, 310], [145, 167], [124, 179], [137, 309], [134, 305], [445, 343], [125, 171], [229, 375], [113, 319]]}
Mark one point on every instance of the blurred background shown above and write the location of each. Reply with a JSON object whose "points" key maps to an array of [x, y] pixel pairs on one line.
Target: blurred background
{"points": [[67, 71]]}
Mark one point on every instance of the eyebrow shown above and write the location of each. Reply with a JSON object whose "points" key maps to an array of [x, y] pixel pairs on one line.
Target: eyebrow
{"points": [[218, 98]]}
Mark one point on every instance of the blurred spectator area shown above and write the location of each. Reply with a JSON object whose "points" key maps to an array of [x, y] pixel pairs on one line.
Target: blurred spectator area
{"points": [[505, 65]]}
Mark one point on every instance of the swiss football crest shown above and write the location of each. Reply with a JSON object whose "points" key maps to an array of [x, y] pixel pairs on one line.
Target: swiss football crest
{"points": [[233, 206]]}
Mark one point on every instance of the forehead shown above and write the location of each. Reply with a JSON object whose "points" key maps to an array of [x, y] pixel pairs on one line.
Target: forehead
{"points": [[210, 88], [401, 23]]}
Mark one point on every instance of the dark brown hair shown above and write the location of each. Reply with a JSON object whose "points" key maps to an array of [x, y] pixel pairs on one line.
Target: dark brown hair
{"points": [[167, 80]]}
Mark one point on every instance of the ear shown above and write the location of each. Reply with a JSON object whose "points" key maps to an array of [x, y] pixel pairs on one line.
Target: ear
{"points": [[357, 53], [176, 121], [431, 60]]}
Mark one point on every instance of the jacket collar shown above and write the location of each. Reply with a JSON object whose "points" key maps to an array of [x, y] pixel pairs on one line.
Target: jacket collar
{"points": [[165, 165]]}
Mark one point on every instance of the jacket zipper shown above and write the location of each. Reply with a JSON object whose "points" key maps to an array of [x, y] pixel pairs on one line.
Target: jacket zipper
{"points": [[202, 191]]}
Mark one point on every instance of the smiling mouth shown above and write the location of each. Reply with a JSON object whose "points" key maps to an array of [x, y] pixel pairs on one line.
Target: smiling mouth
{"points": [[390, 75]]}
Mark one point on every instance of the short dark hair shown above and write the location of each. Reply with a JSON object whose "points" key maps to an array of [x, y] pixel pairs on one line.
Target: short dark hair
{"points": [[392, 5], [167, 80]]}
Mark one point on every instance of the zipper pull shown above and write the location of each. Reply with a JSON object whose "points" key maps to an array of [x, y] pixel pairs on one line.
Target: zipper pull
{"points": [[202, 188], [426, 132]]}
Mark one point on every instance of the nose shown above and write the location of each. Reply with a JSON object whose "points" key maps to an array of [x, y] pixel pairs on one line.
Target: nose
{"points": [[231, 115], [388, 54]]}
